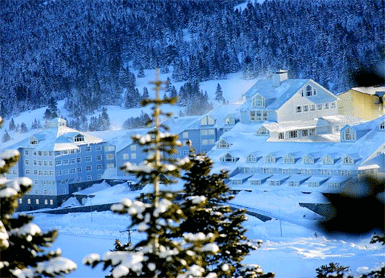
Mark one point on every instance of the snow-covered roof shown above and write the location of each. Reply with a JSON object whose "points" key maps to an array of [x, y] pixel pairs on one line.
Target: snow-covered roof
{"points": [[299, 178], [241, 176], [373, 90], [56, 138], [277, 96], [260, 177], [244, 142], [319, 179]]}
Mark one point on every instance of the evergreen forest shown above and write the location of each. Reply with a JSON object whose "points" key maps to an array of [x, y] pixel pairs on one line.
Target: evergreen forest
{"points": [[87, 52]]}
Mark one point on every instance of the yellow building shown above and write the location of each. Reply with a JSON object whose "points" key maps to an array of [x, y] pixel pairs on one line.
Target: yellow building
{"points": [[366, 103]]}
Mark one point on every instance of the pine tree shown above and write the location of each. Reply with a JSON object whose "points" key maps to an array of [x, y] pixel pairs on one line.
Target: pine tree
{"points": [[6, 137], [219, 94], [104, 120], [52, 106], [23, 128], [12, 125], [145, 93], [21, 241], [141, 73], [218, 218], [156, 214]]}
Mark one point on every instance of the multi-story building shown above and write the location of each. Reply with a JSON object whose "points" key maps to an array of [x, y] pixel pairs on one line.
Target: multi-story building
{"points": [[202, 131], [253, 160], [56, 158], [291, 134], [367, 103]]}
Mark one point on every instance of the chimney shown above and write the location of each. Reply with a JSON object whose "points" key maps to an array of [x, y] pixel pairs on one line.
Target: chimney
{"points": [[279, 77]]}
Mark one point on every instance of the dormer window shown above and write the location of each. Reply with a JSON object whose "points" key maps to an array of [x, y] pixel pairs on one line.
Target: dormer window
{"points": [[269, 159], [228, 158], [328, 160], [222, 144], [263, 131], [348, 134], [382, 126], [258, 101], [229, 121], [308, 160], [348, 160], [79, 138], [33, 141], [289, 159]]}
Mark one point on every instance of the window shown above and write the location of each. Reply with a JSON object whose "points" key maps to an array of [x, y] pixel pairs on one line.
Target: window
{"points": [[328, 160], [204, 142], [348, 160], [65, 162], [26, 152], [211, 141], [251, 158], [281, 135], [125, 156], [89, 178], [305, 108], [73, 171], [88, 158], [45, 163], [45, 153], [73, 161], [63, 191], [319, 106], [27, 172], [46, 202], [222, 144], [227, 158], [79, 138], [211, 132], [332, 105], [33, 141], [314, 92], [309, 91], [210, 121], [133, 156], [26, 162], [79, 169], [58, 172], [99, 167], [20, 201], [308, 160], [348, 135], [65, 172], [252, 116], [51, 202], [110, 166], [37, 201], [312, 131], [133, 147], [185, 152], [382, 126], [35, 172], [34, 162], [293, 134], [45, 191], [258, 101], [109, 148], [289, 159], [269, 159], [312, 107], [50, 163], [79, 159], [185, 134], [98, 148], [203, 132], [40, 163], [88, 168], [265, 115], [326, 105], [99, 157], [87, 148], [299, 109], [204, 121], [305, 132], [51, 173], [40, 173], [110, 156]]}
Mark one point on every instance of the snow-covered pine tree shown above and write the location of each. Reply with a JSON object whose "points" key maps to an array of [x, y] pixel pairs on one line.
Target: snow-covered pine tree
{"points": [[6, 137], [145, 93], [218, 218], [156, 214], [12, 125], [21, 241], [219, 94], [104, 120], [23, 128]]}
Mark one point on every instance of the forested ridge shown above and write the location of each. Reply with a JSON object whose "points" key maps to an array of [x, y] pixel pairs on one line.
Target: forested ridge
{"points": [[86, 51]]}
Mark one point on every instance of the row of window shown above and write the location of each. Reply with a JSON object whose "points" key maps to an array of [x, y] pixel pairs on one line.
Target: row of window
{"points": [[326, 160], [258, 116], [318, 171], [312, 107], [37, 201], [208, 142], [205, 132], [291, 183], [66, 152]]}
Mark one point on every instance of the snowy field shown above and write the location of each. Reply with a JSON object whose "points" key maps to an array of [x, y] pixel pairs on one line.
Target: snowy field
{"points": [[293, 246], [295, 254]]}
